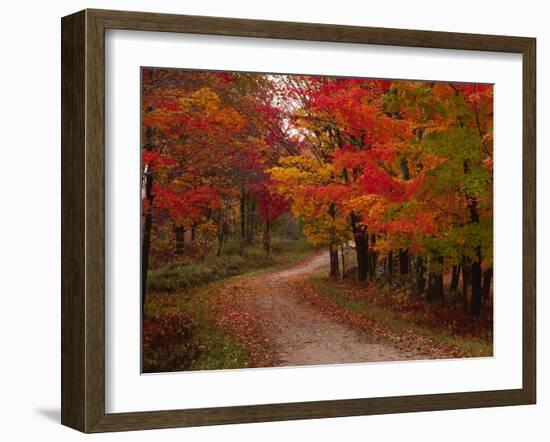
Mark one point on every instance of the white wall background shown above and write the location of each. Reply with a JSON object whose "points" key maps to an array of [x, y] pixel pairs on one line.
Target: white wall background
{"points": [[30, 217]]}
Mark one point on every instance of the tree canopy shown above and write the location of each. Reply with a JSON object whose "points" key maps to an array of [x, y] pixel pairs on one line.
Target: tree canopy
{"points": [[384, 166]]}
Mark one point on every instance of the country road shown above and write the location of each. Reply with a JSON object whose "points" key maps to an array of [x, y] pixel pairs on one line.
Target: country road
{"points": [[294, 332]]}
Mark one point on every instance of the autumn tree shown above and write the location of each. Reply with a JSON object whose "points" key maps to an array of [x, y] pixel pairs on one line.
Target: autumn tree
{"points": [[207, 139], [399, 170]]}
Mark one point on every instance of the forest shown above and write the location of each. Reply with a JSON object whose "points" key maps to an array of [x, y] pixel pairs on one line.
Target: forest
{"points": [[300, 219]]}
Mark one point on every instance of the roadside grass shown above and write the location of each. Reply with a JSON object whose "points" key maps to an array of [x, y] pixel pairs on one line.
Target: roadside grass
{"points": [[180, 329], [207, 347], [345, 297], [191, 273]]}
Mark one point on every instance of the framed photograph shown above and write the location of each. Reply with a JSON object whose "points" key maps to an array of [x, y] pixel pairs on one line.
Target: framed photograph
{"points": [[268, 220]]}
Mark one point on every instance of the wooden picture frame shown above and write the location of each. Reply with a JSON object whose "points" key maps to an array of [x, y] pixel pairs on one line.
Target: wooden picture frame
{"points": [[83, 220]]}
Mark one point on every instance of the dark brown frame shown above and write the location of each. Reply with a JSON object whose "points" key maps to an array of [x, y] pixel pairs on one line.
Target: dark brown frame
{"points": [[83, 216]]}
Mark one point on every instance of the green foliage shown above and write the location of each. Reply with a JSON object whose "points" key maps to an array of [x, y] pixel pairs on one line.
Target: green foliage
{"points": [[184, 277], [194, 273], [222, 354], [180, 332]]}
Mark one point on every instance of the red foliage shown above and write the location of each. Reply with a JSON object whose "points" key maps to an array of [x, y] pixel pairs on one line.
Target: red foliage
{"points": [[187, 205], [154, 159], [270, 204]]}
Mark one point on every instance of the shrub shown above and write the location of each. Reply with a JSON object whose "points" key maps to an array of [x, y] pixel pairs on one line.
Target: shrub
{"points": [[167, 342], [191, 273]]}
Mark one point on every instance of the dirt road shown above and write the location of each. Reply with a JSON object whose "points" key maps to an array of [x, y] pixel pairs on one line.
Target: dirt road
{"points": [[293, 332]]}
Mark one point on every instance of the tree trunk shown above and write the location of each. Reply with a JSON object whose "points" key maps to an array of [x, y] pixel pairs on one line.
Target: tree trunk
{"points": [[243, 216], [431, 294], [244, 220], [373, 257], [342, 250], [179, 232], [404, 261], [148, 220], [475, 306], [145, 247], [221, 235], [251, 209], [435, 281], [454, 277], [360, 236], [404, 166], [267, 238], [193, 231], [419, 279], [334, 266], [390, 263], [475, 303], [466, 276], [404, 253], [486, 289], [440, 288]]}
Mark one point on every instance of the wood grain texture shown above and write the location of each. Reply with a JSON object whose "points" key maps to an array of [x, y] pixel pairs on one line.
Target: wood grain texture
{"points": [[73, 129], [95, 221], [83, 218], [144, 21], [529, 219]]}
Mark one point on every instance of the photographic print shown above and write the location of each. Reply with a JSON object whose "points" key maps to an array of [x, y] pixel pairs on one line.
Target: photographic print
{"points": [[297, 220]]}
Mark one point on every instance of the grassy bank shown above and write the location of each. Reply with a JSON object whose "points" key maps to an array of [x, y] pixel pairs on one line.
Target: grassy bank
{"points": [[203, 346], [192, 272], [180, 329], [435, 322]]}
